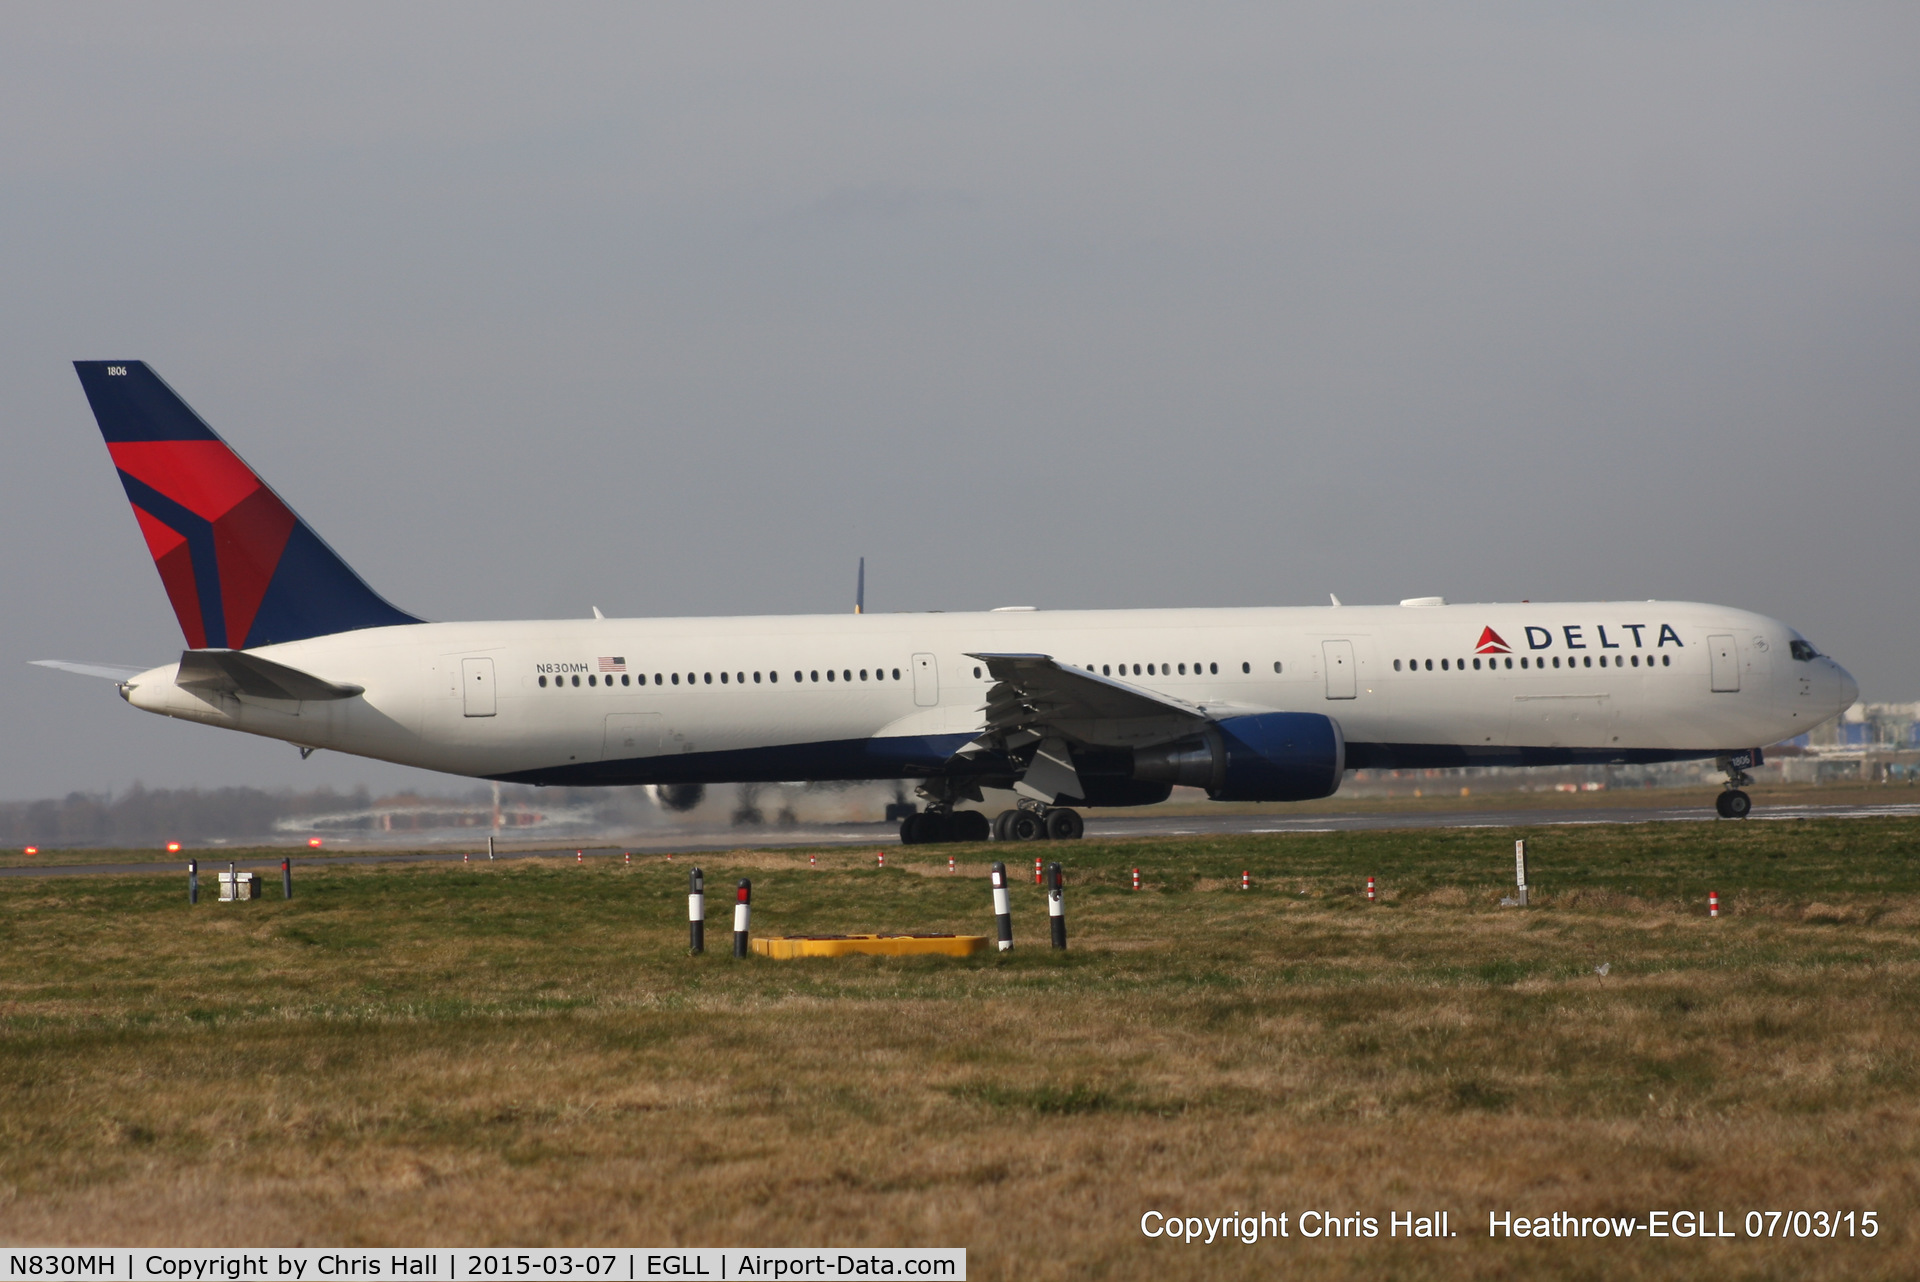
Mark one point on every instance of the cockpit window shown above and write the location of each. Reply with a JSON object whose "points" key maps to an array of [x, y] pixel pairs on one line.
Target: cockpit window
{"points": [[1801, 650]]}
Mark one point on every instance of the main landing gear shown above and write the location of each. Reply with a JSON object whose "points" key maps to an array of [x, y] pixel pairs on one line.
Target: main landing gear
{"points": [[932, 826], [1050, 823]]}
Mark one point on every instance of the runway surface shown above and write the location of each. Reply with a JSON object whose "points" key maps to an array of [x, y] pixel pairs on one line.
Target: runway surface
{"points": [[686, 841]]}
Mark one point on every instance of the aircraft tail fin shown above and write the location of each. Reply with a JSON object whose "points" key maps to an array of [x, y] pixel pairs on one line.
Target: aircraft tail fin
{"points": [[240, 567]]}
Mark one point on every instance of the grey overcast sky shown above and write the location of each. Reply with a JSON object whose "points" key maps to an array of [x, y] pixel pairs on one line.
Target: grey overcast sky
{"points": [[680, 309]]}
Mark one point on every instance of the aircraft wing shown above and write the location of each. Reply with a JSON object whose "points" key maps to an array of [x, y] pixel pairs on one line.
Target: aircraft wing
{"points": [[237, 672], [1031, 691]]}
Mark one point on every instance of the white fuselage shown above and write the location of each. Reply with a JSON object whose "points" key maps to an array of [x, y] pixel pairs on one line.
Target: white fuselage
{"points": [[817, 696]]}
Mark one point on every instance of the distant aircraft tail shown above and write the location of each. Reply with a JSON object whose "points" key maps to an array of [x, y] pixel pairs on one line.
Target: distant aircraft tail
{"points": [[240, 568]]}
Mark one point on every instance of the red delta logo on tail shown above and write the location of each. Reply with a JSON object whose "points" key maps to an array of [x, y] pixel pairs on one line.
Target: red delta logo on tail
{"points": [[239, 567], [1490, 643]]}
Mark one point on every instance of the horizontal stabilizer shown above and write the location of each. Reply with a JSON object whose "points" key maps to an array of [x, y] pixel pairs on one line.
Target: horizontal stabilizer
{"points": [[237, 672], [105, 671]]}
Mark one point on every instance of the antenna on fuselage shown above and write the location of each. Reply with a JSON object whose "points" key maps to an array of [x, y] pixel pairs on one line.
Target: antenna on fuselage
{"points": [[1331, 597], [860, 589]]}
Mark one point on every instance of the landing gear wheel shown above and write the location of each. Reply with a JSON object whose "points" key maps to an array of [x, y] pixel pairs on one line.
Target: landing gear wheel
{"points": [[971, 825], [1065, 825], [910, 830], [1025, 826], [1003, 825], [1733, 804]]}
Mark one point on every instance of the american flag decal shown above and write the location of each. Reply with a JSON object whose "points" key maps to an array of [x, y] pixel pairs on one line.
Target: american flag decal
{"points": [[612, 663]]}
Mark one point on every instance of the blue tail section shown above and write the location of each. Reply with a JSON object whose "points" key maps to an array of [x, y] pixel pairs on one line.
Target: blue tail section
{"points": [[241, 568]]}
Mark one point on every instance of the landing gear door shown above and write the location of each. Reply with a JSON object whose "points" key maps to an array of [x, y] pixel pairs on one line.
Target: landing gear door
{"points": [[476, 686], [926, 681], [1726, 664], [1341, 681]]}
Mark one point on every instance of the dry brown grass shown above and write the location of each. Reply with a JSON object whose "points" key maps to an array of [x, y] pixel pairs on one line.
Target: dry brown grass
{"points": [[523, 1054]]}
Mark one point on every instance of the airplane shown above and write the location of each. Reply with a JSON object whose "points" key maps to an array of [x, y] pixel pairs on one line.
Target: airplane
{"points": [[1064, 708]]}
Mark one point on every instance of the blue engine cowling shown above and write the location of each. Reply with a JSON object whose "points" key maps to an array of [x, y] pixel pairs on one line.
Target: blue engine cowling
{"points": [[1270, 756]]}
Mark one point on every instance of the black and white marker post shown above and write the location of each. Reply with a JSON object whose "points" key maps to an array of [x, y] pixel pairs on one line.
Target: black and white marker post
{"points": [[193, 881], [1056, 908], [696, 911], [742, 914], [286, 879], [1002, 911], [1520, 870]]}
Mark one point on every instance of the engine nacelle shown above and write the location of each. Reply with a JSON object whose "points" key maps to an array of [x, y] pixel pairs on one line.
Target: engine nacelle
{"points": [[1271, 756]]}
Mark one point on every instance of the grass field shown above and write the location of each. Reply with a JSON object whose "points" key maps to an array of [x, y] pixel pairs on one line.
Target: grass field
{"points": [[524, 1053]]}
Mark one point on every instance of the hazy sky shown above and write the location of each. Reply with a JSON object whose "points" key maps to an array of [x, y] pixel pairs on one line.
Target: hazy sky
{"points": [[681, 309]]}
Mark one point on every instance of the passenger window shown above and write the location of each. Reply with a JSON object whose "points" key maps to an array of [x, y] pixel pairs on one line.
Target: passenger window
{"points": [[723, 678], [896, 674], [756, 678], [1105, 671], [1476, 665], [976, 674], [576, 682], [1246, 667], [1396, 665], [1509, 664], [1443, 666], [1183, 669], [1213, 669], [863, 673], [1150, 669], [1666, 661], [1556, 660], [590, 679], [543, 683], [816, 674], [829, 674], [773, 678], [1276, 665]]}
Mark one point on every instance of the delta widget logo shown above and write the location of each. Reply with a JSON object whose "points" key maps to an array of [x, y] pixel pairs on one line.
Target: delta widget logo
{"points": [[1490, 643]]}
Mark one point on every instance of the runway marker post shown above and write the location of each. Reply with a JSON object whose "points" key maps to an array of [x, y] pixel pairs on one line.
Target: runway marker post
{"points": [[950, 865], [881, 856], [579, 857], [286, 879], [1520, 870], [696, 912], [1002, 909], [813, 861], [1370, 894], [629, 858], [465, 858], [1056, 906], [193, 880], [1246, 879], [1136, 879], [1713, 903], [489, 847], [742, 915], [1036, 870]]}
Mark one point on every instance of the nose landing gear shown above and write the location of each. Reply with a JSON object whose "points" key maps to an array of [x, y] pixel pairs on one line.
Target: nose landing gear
{"points": [[1733, 803]]}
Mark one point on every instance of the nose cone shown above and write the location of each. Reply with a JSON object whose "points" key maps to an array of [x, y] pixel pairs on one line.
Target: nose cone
{"points": [[1849, 689]]}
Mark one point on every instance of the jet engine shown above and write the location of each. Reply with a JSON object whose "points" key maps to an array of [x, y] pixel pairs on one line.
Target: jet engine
{"points": [[1271, 756], [678, 797]]}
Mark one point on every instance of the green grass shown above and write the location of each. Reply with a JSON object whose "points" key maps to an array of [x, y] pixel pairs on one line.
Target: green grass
{"points": [[524, 1052]]}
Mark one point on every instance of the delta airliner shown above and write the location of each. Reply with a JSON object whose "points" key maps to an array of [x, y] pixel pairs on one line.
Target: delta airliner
{"points": [[1063, 707]]}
